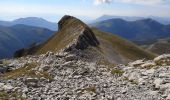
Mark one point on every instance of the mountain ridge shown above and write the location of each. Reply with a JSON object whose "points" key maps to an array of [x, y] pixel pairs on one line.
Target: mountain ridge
{"points": [[74, 33]]}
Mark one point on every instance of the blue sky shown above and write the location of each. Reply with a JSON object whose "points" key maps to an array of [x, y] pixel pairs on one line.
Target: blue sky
{"points": [[85, 9]]}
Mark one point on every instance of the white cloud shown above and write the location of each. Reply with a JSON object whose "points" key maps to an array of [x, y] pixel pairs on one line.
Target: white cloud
{"points": [[97, 2], [143, 2]]}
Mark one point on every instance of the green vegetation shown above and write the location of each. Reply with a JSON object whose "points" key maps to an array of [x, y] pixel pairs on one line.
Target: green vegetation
{"points": [[3, 95], [90, 89], [5, 62], [135, 82], [6, 96], [26, 70], [117, 72], [121, 46], [106, 63]]}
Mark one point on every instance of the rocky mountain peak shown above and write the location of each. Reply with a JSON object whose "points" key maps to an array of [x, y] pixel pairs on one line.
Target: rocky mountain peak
{"points": [[64, 20], [85, 36]]}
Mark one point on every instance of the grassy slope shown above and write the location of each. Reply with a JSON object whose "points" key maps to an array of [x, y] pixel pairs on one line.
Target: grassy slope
{"points": [[119, 49], [160, 47]]}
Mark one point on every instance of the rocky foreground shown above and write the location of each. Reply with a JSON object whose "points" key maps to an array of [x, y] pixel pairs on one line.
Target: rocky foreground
{"points": [[77, 76]]}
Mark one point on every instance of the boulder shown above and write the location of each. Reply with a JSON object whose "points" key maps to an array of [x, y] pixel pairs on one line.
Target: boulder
{"points": [[168, 97], [134, 76], [67, 64], [148, 65], [4, 69], [136, 63], [163, 60], [164, 75], [157, 82], [7, 87], [70, 58], [153, 93], [1, 62], [44, 68], [31, 82], [49, 54]]}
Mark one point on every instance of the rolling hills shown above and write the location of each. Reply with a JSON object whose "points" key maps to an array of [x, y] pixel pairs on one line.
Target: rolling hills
{"points": [[162, 20], [144, 31], [31, 21], [20, 36], [73, 35]]}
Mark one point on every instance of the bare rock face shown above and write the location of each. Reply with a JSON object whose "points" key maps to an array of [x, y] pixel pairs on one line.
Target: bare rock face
{"points": [[85, 39], [19, 53]]}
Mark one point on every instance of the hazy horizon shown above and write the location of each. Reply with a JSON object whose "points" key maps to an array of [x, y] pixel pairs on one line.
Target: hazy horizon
{"points": [[84, 18], [83, 9]]}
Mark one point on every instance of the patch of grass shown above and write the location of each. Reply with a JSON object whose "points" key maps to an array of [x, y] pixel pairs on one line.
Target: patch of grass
{"points": [[7, 96], [117, 72], [90, 89], [27, 70], [163, 62], [5, 62], [36, 74], [132, 81], [106, 63], [3, 95]]}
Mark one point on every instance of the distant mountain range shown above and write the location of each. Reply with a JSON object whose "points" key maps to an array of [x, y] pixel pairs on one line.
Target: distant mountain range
{"points": [[140, 31], [16, 37], [31, 21], [162, 20]]}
